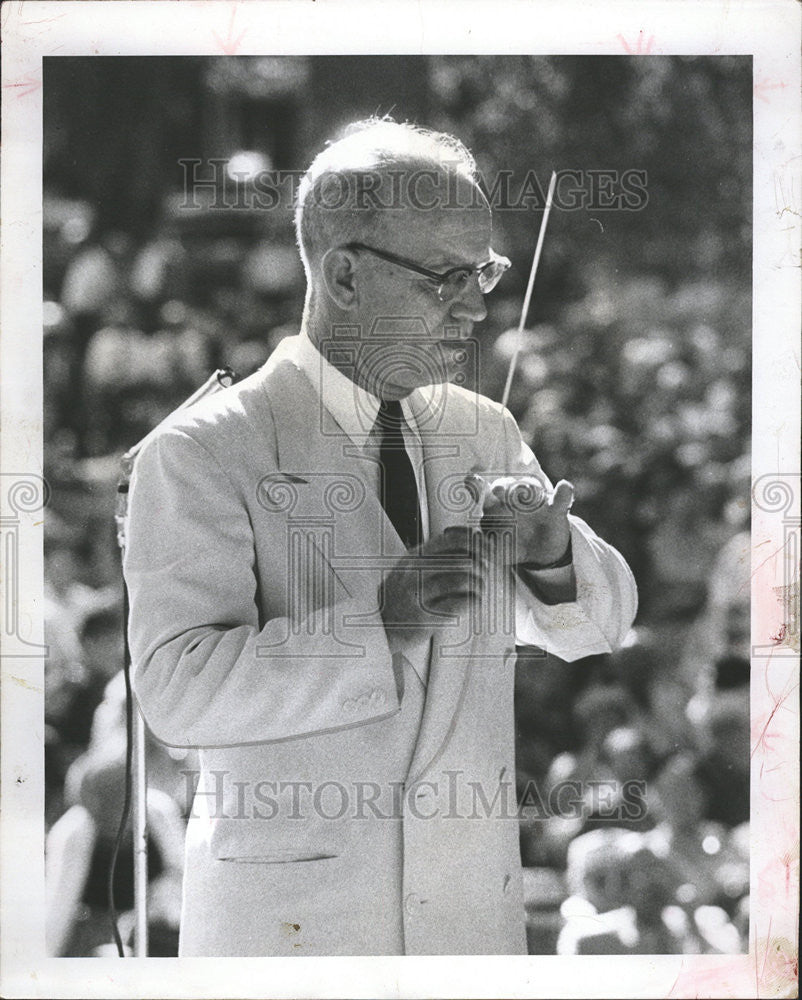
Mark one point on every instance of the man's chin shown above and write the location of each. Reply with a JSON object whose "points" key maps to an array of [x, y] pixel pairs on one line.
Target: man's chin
{"points": [[403, 381]]}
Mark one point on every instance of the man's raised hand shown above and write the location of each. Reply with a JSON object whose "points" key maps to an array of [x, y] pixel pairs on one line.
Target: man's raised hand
{"points": [[539, 517], [442, 578]]}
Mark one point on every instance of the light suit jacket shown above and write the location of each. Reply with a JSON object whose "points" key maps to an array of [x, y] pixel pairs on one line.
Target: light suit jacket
{"points": [[346, 804]]}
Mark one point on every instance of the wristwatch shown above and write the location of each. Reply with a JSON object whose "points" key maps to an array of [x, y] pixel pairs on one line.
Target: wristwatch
{"points": [[565, 560]]}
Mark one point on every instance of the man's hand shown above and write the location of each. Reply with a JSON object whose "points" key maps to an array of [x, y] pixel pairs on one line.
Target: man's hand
{"points": [[540, 518], [438, 579]]}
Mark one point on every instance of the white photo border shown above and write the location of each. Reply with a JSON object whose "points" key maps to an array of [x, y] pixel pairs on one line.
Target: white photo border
{"points": [[769, 32]]}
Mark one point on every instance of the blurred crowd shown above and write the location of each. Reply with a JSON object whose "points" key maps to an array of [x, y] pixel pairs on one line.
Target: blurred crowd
{"points": [[633, 769], [633, 785]]}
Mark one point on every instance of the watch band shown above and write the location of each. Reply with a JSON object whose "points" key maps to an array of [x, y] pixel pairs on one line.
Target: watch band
{"points": [[565, 560]]}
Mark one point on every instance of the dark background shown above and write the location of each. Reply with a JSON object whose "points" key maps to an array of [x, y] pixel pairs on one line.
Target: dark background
{"points": [[635, 382]]}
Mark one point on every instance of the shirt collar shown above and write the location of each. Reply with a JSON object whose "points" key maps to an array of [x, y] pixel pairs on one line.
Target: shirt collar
{"points": [[353, 408]]}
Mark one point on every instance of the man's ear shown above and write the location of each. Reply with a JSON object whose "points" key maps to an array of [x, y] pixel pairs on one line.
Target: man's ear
{"points": [[338, 274]]}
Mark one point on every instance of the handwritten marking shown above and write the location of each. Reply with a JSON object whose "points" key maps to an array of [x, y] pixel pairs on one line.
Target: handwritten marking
{"points": [[766, 953], [30, 83], [764, 737], [229, 45], [763, 85], [639, 49], [776, 552], [44, 20], [780, 637]]}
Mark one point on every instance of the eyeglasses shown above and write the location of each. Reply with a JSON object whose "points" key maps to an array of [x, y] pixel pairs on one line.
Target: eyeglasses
{"points": [[452, 282]]}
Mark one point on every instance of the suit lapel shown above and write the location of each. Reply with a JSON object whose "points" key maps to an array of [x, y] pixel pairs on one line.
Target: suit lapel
{"points": [[447, 458], [336, 478], [312, 447]]}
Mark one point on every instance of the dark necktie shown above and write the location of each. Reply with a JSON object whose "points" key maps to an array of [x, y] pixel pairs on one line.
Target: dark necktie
{"points": [[398, 490]]}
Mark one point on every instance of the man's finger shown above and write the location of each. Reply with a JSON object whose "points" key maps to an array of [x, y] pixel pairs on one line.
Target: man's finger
{"points": [[458, 541], [459, 538], [517, 494], [477, 486], [450, 603], [447, 581], [563, 497]]}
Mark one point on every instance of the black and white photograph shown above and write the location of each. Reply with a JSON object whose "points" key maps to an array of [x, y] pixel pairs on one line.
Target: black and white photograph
{"points": [[416, 571]]}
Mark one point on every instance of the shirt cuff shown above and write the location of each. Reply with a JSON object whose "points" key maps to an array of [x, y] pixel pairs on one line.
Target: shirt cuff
{"points": [[550, 586], [562, 629]]}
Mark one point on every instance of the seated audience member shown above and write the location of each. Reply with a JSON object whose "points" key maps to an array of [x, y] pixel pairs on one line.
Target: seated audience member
{"points": [[723, 768], [710, 869], [80, 845], [620, 893]]}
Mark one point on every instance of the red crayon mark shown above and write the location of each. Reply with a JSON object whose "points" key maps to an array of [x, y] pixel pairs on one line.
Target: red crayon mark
{"points": [[230, 44], [720, 980], [760, 729], [638, 49], [766, 953], [44, 20], [780, 635], [787, 861], [773, 554], [30, 83], [780, 967], [763, 85]]}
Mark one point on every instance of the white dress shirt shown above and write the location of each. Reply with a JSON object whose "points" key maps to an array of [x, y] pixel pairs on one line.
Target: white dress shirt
{"points": [[355, 410], [569, 627]]}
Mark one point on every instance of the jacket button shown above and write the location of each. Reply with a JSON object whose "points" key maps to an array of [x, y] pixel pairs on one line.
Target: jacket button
{"points": [[411, 903]]}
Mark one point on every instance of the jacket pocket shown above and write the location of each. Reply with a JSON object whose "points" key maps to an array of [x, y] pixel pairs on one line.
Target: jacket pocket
{"points": [[248, 841], [278, 857]]}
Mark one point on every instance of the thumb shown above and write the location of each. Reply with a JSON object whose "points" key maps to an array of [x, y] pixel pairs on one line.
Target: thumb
{"points": [[563, 496], [477, 487]]}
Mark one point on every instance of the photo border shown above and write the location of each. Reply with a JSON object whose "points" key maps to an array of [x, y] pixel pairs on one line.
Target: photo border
{"points": [[769, 32]]}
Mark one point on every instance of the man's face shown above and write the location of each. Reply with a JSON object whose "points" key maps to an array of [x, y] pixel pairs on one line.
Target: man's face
{"points": [[401, 318]]}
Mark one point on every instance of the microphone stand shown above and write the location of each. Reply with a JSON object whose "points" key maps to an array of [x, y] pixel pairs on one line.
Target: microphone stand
{"points": [[136, 777]]}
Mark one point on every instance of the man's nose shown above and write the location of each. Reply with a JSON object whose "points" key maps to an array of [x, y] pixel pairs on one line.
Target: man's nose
{"points": [[470, 304]]}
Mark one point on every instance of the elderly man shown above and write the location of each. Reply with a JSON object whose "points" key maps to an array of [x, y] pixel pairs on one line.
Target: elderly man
{"points": [[328, 571]]}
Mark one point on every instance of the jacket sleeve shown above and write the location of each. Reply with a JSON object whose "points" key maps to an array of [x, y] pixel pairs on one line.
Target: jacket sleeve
{"points": [[606, 601], [206, 672]]}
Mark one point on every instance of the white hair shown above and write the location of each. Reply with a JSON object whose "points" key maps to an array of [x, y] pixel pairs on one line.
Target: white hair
{"points": [[360, 180]]}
